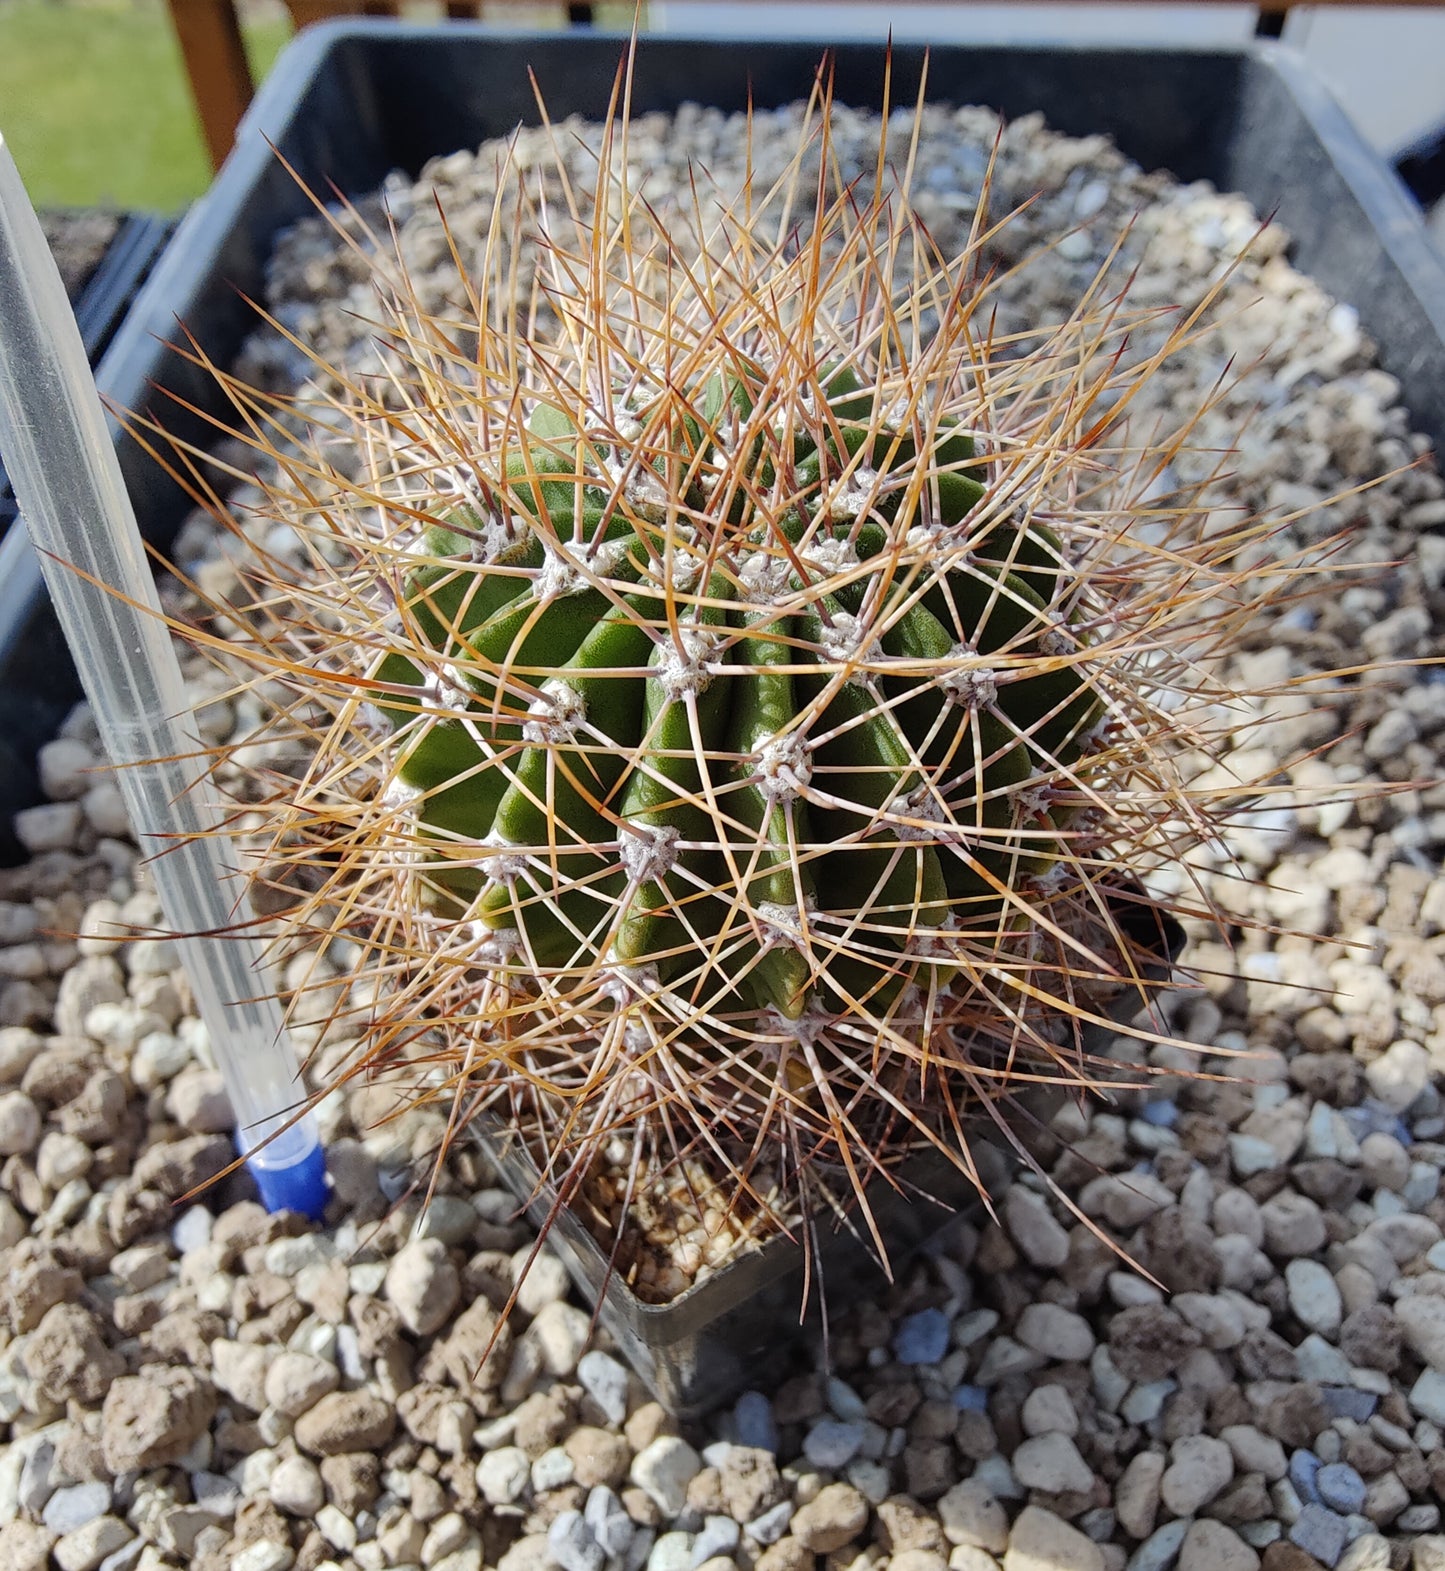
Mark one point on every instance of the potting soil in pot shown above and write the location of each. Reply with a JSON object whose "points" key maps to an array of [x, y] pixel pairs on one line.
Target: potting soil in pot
{"points": [[214, 1387]]}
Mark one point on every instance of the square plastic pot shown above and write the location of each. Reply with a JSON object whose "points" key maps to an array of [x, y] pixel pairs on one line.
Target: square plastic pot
{"points": [[741, 1327]]}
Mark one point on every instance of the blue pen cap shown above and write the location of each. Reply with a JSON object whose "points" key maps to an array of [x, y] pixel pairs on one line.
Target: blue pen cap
{"points": [[290, 1172]]}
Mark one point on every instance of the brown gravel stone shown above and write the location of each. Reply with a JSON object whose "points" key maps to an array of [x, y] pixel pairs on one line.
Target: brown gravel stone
{"points": [[458, 1479], [80, 1455], [933, 1420], [1328, 1077], [1265, 1355], [548, 1507], [176, 1167], [1370, 1338], [650, 1422], [35, 1283], [996, 1252], [1183, 1416], [474, 1353], [153, 1418], [1150, 1341], [750, 1483], [59, 1074], [1411, 1470], [427, 1411], [836, 1517], [1284, 1556], [1204, 1137], [184, 1336], [929, 1469], [892, 1405], [25, 1546], [1245, 1500], [1435, 1463], [598, 1456], [352, 1479], [788, 1554], [133, 1212], [67, 1356], [975, 1436], [257, 1518], [1366, 1455], [488, 1275], [640, 1506], [1229, 1406], [1090, 1261], [1179, 1251], [97, 1113], [543, 1420], [242, 1226], [1296, 1415], [377, 1324], [797, 1400], [1330, 1183], [901, 1524], [704, 1493], [135, 1312], [345, 1421]]}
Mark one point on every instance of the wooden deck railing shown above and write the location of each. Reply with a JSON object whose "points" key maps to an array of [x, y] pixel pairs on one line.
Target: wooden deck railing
{"points": [[220, 76], [215, 53]]}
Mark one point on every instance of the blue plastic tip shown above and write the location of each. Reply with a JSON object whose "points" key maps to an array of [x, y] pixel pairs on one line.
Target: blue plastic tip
{"points": [[298, 1185]]}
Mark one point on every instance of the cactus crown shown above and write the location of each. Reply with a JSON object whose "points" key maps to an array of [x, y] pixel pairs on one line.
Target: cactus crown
{"points": [[739, 692]]}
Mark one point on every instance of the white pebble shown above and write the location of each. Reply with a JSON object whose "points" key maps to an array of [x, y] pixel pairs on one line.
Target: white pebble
{"points": [[19, 1124], [1314, 1296], [663, 1470]]}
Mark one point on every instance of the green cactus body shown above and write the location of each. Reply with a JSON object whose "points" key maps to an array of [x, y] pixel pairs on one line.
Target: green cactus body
{"points": [[765, 748], [755, 697]]}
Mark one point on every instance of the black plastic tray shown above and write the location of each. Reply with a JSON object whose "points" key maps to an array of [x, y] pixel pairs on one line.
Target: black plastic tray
{"points": [[350, 101]]}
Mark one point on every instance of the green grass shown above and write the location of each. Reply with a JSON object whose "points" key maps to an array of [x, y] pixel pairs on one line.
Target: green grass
{"points": [[95, 105]]}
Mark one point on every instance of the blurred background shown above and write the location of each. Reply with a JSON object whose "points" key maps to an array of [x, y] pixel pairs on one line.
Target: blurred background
{"points": [[96, 106]]}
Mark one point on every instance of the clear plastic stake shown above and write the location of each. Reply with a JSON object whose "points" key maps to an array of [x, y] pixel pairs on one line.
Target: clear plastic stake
{"points": [[57, 450]]}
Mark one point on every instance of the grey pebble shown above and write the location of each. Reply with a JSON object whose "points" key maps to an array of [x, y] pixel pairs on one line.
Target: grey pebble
{"points": [[125, 1557], [448, 1218], [572, 1544], [1160, 1550], [719, 1535], [36, 1485], [1340, 1488], [772, 1524], [75, 1505], [1319, 1532], [921, 1338], [832, 1444], [754, 1423], [605, 1381], [845, 1401], [608, 1522]]}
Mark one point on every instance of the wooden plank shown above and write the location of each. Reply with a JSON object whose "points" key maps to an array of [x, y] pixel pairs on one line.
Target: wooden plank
{"points": [[304, 12], [215, 54]]}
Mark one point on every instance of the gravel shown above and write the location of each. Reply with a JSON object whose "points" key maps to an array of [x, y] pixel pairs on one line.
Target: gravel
{"points": [[205, 1385]]}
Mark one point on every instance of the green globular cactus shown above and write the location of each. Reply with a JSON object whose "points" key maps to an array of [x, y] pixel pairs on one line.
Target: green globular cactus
{"points": [[742, 704]]}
